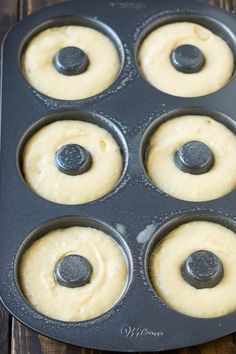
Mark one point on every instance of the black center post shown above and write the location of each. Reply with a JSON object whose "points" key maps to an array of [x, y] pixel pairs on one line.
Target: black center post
{"points": [[73, 271], [71, 61], [187, 59], [73, 159], [194, 157], [202, 269]]}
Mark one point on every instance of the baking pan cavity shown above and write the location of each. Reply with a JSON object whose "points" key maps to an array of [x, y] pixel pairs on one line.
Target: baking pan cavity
{"points": [[70, 156], [80, 64], [186, 58], [187, 246], [191, 156], [61, 272]]}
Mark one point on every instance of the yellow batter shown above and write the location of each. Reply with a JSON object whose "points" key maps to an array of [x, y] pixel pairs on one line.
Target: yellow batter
{"points": [[44, 178], [165, 269], [154, 59], [37, 62], [218, 181], [73, 304]]}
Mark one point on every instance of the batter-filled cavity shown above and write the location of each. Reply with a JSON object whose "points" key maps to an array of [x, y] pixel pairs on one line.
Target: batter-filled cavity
{"points": [[192, 158], [73, 274], [193, 271], [69, 63], [72, 162], [185, 59]]}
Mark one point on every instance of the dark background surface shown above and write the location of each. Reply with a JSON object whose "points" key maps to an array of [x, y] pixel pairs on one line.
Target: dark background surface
{"points": [[16, 338]]}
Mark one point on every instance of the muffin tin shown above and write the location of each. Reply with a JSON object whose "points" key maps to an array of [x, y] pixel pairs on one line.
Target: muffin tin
{"points": [[136, 214]]}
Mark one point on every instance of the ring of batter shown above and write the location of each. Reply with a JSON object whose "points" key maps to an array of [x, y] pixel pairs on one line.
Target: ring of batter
{"points": [[154, 60], [165, 269], [45, 179], [46, 295], [161, 168], [39, 71]]}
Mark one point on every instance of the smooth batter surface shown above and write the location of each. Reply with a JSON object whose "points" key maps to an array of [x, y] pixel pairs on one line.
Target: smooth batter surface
{"points": [[220, 180], [73, 304], [154, 59], [104, 62], [44, 178], [165, 269]]}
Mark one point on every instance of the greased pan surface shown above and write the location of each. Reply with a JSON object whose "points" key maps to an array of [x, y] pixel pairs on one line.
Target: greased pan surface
{"points": [[135, 213]]}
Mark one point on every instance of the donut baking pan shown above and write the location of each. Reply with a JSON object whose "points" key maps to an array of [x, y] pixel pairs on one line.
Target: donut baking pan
{"points": [[136, 214]]}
